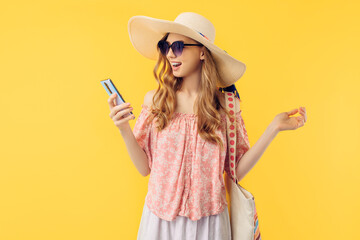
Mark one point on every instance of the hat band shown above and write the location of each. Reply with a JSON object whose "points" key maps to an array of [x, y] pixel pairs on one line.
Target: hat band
{"points": [[207, 38], [203, 35]]}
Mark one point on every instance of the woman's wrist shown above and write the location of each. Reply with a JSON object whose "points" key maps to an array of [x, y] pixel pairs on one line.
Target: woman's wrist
{"points": [[125, 131], [273, 128]]}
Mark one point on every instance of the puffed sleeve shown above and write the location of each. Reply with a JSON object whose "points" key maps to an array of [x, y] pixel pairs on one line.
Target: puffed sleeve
{"points": [[142, 132], [242, 142]]}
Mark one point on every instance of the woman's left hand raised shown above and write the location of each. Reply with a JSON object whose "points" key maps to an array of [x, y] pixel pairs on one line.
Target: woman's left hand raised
{"points": [[284, 121]]}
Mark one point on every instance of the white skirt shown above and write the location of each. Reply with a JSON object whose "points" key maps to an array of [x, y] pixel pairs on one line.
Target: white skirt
{"points": [[213, 227]]}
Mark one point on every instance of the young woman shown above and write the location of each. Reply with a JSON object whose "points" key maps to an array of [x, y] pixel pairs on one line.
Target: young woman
{"points": [[180, 136]]}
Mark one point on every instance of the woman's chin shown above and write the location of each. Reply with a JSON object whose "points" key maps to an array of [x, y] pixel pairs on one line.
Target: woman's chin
{"points": [[176, 74]]}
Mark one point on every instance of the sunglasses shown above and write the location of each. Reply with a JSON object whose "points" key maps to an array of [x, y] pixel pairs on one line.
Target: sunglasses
{"points": [[176, 47]]}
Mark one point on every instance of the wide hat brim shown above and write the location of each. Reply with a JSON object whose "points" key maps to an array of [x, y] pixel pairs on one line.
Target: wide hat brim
{"points": [[145, 32]]}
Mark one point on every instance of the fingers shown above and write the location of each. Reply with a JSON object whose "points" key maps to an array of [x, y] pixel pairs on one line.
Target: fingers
{"points": [[115, 108], [302, 111], [120, 114], [119, 108], [300, 121], [128, 118], [292, 111], [111, 100]]}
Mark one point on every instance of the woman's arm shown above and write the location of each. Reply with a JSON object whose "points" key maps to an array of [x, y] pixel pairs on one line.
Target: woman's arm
{"points": [[252, 156], [281, 122], [136, 153]]}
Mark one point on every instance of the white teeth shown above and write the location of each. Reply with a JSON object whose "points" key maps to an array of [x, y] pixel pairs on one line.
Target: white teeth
{"points": [[175, 64]]}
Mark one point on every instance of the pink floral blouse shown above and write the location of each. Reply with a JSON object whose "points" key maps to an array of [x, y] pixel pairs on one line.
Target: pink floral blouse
{"points": [[186, 176]]}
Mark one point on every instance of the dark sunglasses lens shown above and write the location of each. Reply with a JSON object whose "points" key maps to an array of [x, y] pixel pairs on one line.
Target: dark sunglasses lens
{"points": [[177, 48], [163, 46]]}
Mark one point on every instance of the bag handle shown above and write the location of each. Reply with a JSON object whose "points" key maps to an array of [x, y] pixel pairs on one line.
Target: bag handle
{"points": [[231, 133]]}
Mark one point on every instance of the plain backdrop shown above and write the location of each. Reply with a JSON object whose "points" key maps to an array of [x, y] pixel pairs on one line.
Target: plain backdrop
{"points": [[64, 169]]}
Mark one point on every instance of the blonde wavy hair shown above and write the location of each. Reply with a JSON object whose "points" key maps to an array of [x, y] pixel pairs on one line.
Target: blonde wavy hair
{"points": [[207, 102]]}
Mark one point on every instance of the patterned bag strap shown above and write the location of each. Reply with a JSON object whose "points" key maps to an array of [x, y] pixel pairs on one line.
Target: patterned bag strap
{"points": [[231, 136], [231, 133], [231, 88]]}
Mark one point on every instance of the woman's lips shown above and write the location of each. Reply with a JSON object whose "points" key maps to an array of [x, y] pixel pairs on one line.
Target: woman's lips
{"points": [[176, 67]]}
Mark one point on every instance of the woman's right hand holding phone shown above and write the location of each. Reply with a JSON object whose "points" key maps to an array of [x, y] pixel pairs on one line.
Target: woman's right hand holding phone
{"points": [[117, 113]]}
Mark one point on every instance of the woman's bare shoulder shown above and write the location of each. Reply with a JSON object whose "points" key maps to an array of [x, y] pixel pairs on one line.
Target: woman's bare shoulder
{"points": [[148, 97]]}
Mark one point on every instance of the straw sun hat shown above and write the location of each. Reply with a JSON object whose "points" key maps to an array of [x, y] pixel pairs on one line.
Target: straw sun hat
{"points": [[145, 32]]}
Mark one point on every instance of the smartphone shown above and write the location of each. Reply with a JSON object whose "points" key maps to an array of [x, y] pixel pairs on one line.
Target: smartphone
{"points": [[110, 89]]}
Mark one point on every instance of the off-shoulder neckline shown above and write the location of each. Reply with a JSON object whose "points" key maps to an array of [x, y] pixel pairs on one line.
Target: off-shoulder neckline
{"points": [[185, 115]]}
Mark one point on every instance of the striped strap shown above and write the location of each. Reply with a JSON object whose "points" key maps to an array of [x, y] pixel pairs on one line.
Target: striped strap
{"points": [[257, 235]]}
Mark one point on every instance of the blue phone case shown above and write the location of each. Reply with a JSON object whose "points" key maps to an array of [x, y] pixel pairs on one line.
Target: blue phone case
{"points": [[110, 89]]}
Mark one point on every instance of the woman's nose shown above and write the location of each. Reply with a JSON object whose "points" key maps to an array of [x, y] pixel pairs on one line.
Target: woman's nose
{"points": [[170, 53]]}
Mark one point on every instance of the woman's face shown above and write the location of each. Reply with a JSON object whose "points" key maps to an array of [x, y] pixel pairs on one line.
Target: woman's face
{"points": [[190, 58]]}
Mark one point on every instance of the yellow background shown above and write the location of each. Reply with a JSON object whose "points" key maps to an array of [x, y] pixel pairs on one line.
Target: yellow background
{"points": [[64, 169]]}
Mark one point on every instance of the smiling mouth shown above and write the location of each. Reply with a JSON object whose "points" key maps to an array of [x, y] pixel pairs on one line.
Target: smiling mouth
{"points": [[175, 66]]}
